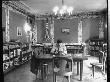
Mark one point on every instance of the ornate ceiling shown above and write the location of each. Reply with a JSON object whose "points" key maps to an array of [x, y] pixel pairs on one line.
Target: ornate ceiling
{"points": [[46, 6]]}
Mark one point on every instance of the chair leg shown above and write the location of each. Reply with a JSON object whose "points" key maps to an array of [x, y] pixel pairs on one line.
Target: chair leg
{"points": [[69, 78], [42, 73], [93, 70], [55, 77]]}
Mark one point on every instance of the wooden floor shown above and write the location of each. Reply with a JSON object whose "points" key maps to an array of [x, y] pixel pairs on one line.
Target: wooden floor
{"points": [[23, 74]]}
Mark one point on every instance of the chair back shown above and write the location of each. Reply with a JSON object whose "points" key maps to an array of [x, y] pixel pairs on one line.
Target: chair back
{"points": [[72, 64], [103, 59], [63, 62], [104, 56]]}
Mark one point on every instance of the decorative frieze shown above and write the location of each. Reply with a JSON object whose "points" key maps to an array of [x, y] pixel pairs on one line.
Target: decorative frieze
{"points": [[34, 35], [47, 31], [18, 6]]}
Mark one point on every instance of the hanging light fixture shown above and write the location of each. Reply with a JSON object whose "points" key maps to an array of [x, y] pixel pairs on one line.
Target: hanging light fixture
{"points": [[63, 10], [27, 27]]}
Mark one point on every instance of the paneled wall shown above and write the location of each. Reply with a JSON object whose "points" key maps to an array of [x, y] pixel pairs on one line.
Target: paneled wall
{"points": [[3, 23], [72, 24], [108, 38], [3, 17], [39, 24], [41, 27], [15, 20], [105, 28], [90, 29], [108, 45]]}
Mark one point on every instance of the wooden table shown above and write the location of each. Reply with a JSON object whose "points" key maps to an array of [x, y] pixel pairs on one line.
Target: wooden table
{"points": [[79, 60], [47, 58], [67, 58], [50, 58]]}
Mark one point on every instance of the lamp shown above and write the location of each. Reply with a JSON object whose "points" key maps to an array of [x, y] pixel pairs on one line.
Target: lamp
{"points": [[63, 10], [27, 27]]}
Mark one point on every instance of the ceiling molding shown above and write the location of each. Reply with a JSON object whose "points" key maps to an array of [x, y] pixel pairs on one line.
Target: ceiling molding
{"points": [[46, 6], [14, 10], [92, 14], [18, 6]]}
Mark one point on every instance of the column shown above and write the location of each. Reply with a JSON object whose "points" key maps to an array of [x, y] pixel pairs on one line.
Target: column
{"points": [[34, 32], [101, 29], [80, 31], [7, 24], [52, 31]]}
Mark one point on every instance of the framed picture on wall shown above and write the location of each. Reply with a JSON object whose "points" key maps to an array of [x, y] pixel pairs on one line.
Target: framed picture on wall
{"points": [[65, 30], [3, 28], [19, 31]]}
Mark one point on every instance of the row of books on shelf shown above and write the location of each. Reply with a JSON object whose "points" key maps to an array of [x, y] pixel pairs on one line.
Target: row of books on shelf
{"points": [[10, 46], [47, 50], [96, 42], [13, 55], [95, 48], [94, 53], [15, 61]]}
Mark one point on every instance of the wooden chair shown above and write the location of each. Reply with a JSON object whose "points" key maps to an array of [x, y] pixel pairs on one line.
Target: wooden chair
{"points": [[67, 74], [101, 64]]}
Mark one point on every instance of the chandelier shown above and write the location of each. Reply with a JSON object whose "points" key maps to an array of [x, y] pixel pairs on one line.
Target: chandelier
{"points": [[64, 10]]}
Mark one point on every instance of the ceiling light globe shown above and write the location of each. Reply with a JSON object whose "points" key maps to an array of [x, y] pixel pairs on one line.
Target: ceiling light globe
{"points": [[69, 10], [27, 27], [64, 7], [61, 12], [55, 9]]}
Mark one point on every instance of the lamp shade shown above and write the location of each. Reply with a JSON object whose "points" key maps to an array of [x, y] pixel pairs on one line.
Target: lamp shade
{"points": [[27, 27], [55, 9]]}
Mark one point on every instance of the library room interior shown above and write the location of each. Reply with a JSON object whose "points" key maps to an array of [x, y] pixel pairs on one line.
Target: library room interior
{"points": [[55, 40]]}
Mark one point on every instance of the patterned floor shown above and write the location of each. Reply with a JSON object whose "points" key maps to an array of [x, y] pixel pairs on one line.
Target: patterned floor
{"points": [[23, 74]]}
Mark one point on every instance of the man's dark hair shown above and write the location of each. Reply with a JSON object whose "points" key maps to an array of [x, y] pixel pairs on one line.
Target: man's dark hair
{"points": [[59, 41]]}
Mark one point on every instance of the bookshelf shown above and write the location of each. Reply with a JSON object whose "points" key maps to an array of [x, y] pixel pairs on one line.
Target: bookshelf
{"points": [[95, 46], [74, 48], [13, 55]]}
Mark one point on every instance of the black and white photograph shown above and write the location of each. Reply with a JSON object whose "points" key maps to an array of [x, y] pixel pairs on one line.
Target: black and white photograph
{"points": [[56, 40], [65, 30], [19, 32]]}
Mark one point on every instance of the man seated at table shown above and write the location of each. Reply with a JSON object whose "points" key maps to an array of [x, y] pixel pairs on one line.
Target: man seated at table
{"points": [[59, 49]]}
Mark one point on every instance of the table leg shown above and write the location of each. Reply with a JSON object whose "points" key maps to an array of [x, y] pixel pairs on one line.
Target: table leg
{"points": [[77, 68], [42, 72], [71, 66], [81, 70], [53, 69], [104, 68], [93, 70]]}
